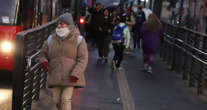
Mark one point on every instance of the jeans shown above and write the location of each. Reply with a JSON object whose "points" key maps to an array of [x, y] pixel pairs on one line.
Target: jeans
{"points": [[136, 39], [118, 56], [62, 96]]}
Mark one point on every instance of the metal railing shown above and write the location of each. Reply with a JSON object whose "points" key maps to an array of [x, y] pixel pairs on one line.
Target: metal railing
{"points": [[28, 77], [185, 51]]}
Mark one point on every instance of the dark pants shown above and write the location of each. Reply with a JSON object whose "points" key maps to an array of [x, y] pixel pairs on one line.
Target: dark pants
{"points": [[137, 35], [118, 56], [93, 39], [136, 39], [103, 48], [107, 42], [102, 42], [100, 46]]}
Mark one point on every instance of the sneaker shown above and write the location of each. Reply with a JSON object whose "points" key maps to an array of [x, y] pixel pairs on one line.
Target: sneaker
{"points": [[114, 65], [149, 69], [119, 68], [126, 51], [145, 67], [105, 59], [99, 60]]}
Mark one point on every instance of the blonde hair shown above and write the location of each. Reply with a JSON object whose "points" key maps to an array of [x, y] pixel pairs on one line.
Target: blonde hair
{"points": [[153, 23], [140, 7]]}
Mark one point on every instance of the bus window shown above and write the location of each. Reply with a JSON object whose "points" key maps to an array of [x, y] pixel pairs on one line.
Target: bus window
{"points": [[7, 12]]}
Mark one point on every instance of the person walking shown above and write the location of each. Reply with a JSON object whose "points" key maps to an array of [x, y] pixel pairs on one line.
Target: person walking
{"points": [[119, 36], [107, 31], [150, 35], [139, 19], [115, 18], [103, 37], [65, 55], [130, 22], [95, 27]]}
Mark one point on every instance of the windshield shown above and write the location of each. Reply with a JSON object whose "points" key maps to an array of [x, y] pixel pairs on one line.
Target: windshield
{"points": [[7, 11]]}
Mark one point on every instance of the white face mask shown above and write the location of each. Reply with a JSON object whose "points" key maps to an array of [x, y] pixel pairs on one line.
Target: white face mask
{"points": [[62, 32]]}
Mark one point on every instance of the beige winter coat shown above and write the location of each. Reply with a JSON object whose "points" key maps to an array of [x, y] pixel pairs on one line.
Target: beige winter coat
{"points": [[66, 58]]}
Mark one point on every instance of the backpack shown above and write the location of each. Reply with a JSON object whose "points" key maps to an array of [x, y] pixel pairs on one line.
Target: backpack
{"points": [[140, 17], [79, 39], [118, 32]]}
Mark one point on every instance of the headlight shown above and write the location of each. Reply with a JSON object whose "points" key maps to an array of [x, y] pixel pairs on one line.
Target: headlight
{"points": [[5, 95], [6, 46]]}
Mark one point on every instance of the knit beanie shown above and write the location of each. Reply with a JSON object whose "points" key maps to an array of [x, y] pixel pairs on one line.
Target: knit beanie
{"points": [[67, 19]]}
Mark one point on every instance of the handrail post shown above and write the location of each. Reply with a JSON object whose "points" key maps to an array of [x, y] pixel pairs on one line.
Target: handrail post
{"points": [[18, 75]]}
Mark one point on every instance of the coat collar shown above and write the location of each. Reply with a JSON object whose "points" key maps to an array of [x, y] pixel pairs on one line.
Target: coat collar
{"points": [[74, 32]]}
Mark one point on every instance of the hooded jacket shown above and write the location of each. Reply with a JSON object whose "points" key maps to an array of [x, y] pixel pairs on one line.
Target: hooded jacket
{"points": [[66, 58]]}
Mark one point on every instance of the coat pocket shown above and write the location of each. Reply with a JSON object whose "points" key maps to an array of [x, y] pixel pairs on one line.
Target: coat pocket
{"points": [[54, 76], [67, 68]]}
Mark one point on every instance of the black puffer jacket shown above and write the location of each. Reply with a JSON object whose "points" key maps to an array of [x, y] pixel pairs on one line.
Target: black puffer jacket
{"points": [[139, 19], [96, 20], [107, 25]]}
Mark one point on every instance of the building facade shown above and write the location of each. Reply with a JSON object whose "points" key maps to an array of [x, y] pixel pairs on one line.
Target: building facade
{"points": [[190, 13]]}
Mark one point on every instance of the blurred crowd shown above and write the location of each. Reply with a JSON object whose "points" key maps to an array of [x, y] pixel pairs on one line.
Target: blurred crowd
{"points": [[126, 30]]}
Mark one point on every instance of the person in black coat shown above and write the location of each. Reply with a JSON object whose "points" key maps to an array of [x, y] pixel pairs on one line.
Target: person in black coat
{"points": [[97, 15], [103, 35], [107, 32]]}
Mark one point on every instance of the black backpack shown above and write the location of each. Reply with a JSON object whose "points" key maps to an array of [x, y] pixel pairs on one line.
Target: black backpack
{"points": [[139, 17]]}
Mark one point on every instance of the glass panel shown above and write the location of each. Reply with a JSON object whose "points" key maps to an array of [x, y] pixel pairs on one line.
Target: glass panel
{"points": [[8, 11]]}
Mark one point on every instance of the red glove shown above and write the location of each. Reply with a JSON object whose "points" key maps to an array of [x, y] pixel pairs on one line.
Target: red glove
{"points": [[73, 79], [44, 65]]}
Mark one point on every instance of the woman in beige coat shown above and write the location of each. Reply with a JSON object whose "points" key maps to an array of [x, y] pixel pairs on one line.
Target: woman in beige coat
{"points": [[130, 22], [65, 54]]}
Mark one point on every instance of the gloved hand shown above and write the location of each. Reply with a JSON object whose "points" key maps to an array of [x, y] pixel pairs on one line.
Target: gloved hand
{"points": [[44, 65], [73, 79]]}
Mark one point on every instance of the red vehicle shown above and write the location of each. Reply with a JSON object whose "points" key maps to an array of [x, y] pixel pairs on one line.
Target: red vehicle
{"points": [[16, 16], [9, 26]]}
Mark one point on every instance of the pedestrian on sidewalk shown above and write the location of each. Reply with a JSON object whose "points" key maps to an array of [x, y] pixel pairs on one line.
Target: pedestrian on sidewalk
{"points": [[95, 28], [106, 38], [119, 36], [65, 55], [150, 35], [130, 22], [115, 17], [139, 19]]}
